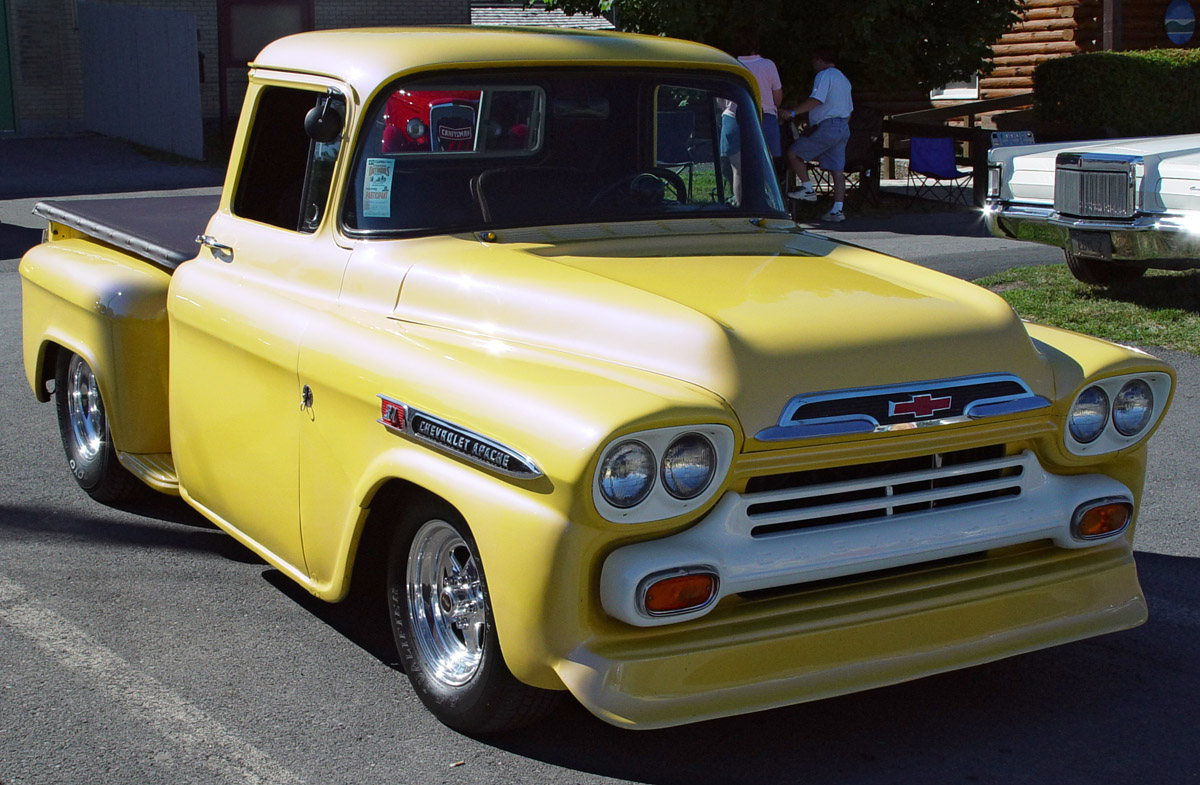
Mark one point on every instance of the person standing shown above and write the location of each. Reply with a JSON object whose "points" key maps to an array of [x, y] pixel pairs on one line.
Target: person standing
{"points": [[770, 89], [829, 107]]}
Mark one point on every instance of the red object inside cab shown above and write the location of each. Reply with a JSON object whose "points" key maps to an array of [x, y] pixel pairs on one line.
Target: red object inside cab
{"points": [[430, 121]]}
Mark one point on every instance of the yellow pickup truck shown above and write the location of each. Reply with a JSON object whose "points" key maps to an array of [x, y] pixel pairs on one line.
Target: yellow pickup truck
{"points": [[514, 326]]}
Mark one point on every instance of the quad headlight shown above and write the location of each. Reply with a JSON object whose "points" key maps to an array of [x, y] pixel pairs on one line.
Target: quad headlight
{"points": [[627, 474], [1114, 413], [1133, 408], [688, 466], [1089, 415], [661, 473]]}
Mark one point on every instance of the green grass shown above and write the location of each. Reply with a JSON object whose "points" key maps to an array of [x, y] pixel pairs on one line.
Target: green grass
{"points": [[1160, 309]]}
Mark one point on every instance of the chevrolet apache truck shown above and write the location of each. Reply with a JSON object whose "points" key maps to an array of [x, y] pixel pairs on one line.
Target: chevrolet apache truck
{"points": [[590, 420]]}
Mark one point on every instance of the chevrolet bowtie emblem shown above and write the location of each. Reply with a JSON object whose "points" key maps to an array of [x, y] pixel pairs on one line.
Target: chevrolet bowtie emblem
{"points": [[920, 406]]}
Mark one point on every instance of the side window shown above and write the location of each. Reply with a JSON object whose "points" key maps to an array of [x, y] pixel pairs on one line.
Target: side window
{"points": [[285, 176], [697, 136]]}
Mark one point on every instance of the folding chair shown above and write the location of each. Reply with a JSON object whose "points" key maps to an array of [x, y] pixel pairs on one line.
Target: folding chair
{"points": [[674, 142], [932, 172], [863, 153]]}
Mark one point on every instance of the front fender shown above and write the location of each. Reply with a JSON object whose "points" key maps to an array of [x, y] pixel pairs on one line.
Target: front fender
{"points": [[540, 540]]}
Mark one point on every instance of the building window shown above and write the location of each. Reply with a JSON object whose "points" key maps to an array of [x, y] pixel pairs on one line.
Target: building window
{"points": [[957, 91]]}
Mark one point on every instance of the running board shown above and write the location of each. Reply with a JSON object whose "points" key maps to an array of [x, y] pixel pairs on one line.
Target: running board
{"points": [[155, 469]]}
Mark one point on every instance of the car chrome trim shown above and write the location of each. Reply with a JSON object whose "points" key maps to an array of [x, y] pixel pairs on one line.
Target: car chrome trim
{"points": [[999, 407], [788, 429], [458, 441], [1170, 238]]}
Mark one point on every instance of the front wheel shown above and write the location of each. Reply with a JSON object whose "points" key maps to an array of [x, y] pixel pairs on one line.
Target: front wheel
{"points": [[1100, 272], [444, 630], [83, 426]]}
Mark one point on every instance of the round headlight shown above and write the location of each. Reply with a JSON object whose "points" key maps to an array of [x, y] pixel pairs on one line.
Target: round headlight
{"points": [[1089, 414], [414, 128], [1133, 407], [627, 474], [688, 466]]}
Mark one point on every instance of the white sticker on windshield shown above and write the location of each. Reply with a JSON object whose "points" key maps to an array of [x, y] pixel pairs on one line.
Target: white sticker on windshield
{"points": [[377, 188]]}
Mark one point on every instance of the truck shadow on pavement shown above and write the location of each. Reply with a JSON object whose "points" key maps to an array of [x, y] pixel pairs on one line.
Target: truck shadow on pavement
{"points": [[1119, 708], [1115, 709], [112, 528]]}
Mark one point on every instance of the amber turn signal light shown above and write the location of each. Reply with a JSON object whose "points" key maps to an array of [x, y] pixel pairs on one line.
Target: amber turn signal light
{"points": [[1101, 518], [680, 593]]}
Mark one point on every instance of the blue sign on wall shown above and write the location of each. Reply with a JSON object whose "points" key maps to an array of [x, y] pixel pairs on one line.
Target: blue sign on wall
{"points": [[1180, 21]]}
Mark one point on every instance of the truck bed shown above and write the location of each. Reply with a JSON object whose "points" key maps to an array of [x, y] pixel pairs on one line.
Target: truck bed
{"points": [[161, 229]]}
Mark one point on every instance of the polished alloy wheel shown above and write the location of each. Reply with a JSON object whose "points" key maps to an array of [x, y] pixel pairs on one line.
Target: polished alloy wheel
{"points": [[446, 603], [85, 412]]}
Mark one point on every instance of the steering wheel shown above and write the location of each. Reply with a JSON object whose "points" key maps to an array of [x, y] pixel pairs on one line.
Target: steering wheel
{"points": [[645, 188]]}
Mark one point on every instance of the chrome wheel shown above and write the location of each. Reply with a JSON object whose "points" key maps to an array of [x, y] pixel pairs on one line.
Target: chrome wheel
{"points": [[85, 412], [83, 428], [446, 603]]}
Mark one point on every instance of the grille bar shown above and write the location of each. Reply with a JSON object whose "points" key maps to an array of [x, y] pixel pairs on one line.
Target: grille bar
{"points": [[890, 501], [887, 494], [898, 478]]}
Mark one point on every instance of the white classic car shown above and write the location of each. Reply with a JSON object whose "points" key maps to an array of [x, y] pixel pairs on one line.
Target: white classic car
{"points": [[1116, 207]]}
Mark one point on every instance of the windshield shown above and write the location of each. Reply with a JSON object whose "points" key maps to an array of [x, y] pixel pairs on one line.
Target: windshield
{"points": [[466, 152]]}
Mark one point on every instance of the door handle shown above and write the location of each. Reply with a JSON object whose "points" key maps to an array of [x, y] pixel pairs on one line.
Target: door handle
{"points": [[219, 249]]}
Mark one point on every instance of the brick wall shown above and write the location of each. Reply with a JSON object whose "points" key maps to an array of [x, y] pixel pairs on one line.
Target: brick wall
{"points": [[45, 49]]}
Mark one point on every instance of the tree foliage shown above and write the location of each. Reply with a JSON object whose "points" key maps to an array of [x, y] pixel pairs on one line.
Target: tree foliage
{"points": [[888, 44]]}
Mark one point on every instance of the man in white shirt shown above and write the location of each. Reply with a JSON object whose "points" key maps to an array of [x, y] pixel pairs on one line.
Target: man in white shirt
{"points": [[829, 107]]}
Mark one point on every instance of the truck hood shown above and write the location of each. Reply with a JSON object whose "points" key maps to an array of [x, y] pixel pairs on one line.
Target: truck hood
{"points": [[756, 317]]}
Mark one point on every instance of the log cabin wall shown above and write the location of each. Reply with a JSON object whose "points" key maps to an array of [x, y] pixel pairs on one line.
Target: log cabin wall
{"points": [[1059, 28]]}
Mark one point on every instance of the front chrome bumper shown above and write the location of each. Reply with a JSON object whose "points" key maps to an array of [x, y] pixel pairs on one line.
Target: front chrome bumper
{"points": [[1168, 241]]}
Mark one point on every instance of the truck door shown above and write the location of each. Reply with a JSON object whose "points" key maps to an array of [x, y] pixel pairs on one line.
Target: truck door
{"points": [[238, 314]]}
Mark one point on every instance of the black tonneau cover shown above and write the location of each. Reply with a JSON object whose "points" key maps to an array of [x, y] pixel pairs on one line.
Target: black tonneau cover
{"points": [[162, 229]]}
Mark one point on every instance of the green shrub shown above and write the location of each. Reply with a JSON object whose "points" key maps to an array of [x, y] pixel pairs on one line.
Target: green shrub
{"points": [[1146, 93]]}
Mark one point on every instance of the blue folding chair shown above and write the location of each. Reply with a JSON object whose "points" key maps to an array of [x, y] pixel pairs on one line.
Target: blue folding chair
{"points": [[933, 173]]}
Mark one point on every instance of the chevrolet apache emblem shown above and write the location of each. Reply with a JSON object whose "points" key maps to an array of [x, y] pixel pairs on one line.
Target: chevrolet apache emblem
{"points": [[404, 420]]}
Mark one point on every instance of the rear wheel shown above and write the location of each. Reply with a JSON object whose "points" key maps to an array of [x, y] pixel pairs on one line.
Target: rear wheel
{"points": [[83, 426], [444, 630], [1100, 272]]}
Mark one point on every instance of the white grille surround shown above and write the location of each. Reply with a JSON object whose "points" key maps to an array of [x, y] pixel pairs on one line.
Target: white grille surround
{"points": [[791, 536]]}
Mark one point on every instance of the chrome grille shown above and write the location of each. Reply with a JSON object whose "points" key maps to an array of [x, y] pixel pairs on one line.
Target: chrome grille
{"points": [[801, 500], [1095, 185]]}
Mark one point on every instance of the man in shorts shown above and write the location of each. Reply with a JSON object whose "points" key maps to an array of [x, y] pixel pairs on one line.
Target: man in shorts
{"points": [[829, 107]]}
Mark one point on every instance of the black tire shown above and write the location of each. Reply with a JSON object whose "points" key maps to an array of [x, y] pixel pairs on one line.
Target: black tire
{"points": [[444, 629], [83, 426], [1099, 272]]}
